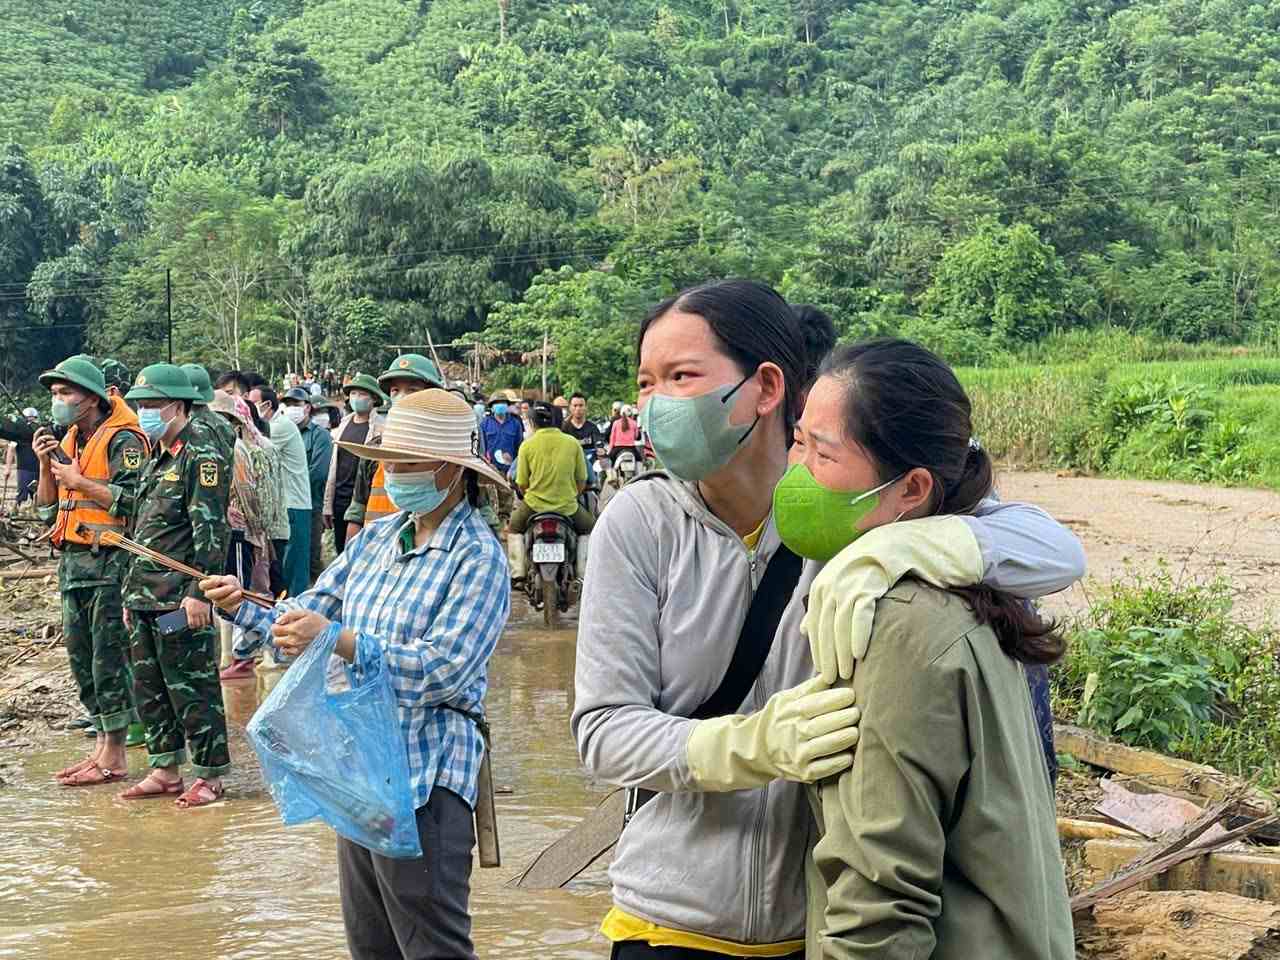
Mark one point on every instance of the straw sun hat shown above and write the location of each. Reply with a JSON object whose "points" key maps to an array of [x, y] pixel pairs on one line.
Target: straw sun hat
{"points": [[431, 424]]}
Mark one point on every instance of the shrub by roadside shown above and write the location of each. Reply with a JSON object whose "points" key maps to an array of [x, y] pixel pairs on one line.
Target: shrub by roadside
{"points": [[1164, 664]]}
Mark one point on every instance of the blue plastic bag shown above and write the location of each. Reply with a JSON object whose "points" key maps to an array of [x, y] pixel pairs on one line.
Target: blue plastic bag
{"points": [[338, 757]]}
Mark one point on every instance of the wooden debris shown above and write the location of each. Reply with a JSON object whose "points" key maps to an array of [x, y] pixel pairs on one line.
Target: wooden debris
{"points": [[38, 573], [1252, 872], [1181, 925], [1166, 773], [1072, 829], [1144, 868]]}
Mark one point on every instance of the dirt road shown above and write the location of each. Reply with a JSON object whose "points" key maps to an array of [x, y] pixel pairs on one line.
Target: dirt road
{"points": [[1200, 532]]}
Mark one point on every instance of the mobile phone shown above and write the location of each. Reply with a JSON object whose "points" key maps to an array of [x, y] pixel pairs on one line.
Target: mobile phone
{"points": [[173, 622]]}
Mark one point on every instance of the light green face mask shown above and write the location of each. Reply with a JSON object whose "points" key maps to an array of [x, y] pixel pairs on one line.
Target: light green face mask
{"points": [[817, 522], [692, 436], [64, 414]]}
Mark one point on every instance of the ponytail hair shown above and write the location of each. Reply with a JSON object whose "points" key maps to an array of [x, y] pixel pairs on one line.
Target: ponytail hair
{"points": [[905, 407]]}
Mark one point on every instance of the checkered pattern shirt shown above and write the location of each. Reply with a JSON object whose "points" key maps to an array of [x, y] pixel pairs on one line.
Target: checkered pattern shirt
{"points": [[434, 614]]}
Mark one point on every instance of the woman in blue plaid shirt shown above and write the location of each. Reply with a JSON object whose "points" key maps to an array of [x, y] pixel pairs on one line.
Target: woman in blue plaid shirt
{"points": [[426, 590]]}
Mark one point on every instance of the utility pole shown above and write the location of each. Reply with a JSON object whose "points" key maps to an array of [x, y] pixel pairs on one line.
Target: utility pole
{"points": [[545, 337], [168, 306]]}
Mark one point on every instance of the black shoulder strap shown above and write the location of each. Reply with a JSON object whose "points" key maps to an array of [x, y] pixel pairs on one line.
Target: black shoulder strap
{"points": [[756, 639], [754, 643]]}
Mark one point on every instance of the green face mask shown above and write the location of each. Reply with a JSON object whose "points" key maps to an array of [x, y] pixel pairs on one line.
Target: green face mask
{"points": [[692, 436], [816, 522], [64, 414]]}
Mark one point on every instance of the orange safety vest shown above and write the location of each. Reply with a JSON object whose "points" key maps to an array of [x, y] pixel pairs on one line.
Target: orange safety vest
{"points": [[74, 508], [379, 504]]}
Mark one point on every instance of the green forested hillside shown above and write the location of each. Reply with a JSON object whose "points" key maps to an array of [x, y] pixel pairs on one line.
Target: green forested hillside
{"points": [[327, 177]]}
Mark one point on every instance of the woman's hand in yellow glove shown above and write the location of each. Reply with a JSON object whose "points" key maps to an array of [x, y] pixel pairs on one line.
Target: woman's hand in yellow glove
{"points": [[842, 600], [803, 734]]}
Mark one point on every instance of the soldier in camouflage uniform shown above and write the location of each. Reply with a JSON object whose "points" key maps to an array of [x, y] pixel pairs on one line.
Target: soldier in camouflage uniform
{"points": [[183, 497], [223, 433], [92, 494]]}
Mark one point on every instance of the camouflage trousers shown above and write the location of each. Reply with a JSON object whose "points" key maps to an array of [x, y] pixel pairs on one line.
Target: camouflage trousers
{"points": [[179, 697], [98, 649]]}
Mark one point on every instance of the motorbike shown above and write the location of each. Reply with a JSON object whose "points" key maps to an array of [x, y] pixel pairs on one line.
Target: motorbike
{"points": [[552, 580]]}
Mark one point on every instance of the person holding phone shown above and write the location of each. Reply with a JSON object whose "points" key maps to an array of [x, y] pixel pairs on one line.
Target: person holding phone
{"points": [[183, 498], [91, 493]]}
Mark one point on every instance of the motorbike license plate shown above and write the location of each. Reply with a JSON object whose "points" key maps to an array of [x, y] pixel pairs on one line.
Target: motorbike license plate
{"points": [[548, 553]]}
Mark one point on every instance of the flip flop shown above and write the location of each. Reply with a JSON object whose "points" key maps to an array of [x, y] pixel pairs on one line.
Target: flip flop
{"points": [[135, 793], [105, 776], [201, 794]]}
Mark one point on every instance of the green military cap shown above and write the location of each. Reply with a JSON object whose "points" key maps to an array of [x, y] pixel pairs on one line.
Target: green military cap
{"points": [[414, 366], [162, 381], [362, 381], [79, 371], [199, 378], [116, 374]]}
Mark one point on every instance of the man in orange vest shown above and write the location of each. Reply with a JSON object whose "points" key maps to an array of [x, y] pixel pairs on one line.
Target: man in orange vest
{"points": [[408, 373], [93, 493]]}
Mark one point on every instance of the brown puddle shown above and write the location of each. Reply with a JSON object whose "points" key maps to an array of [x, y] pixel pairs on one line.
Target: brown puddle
{"points": [[84, 876]]}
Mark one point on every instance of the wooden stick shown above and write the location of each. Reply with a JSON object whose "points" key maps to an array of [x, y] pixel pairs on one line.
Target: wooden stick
{"points": [[113, 539], [37, 574], [1072, 829]]}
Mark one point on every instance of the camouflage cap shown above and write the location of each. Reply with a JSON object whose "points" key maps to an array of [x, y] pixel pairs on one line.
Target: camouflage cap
{"points": [[116, 374], [162, 381], [413, 366], [199, 378], [79, 371]]}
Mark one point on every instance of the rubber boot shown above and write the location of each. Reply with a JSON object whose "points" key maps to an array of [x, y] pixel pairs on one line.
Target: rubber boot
{"points": [[136, 735]]}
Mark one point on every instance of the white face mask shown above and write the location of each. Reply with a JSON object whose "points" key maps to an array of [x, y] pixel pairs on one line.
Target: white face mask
{"points": [[296, 414]]}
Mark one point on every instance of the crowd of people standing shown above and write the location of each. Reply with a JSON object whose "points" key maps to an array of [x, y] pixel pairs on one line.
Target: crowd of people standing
{"points": [[807, 646]]}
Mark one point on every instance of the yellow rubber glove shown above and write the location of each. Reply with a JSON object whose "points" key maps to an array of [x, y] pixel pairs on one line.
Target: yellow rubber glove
{"points": [[804, 734], [842, 600]]}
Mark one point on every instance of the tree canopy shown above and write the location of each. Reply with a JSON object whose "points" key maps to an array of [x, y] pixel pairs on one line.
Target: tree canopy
{"points": [[328, 178]]}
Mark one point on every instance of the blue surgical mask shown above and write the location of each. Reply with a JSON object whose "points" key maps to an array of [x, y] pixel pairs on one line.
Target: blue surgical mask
{"points": [[361, 405], [499, 409], [417, 492], [692, 436], [153, 424]]}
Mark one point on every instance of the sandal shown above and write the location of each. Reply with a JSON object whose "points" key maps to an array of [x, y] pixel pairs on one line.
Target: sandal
{"points": [[77, 767], [201, 794], [167, 789], [104, 775]]}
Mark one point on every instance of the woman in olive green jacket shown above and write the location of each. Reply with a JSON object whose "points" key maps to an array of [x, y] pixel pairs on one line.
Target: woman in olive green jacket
{"points": [[941, 840]]}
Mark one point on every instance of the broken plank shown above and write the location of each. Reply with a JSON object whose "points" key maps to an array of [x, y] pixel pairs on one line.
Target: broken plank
{"points": [[1180, 925], [1070, 828], [1254, 874], [1197, 779], [1143, 868]]}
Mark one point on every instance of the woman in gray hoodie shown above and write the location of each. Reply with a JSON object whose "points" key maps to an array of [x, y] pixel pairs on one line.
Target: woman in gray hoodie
{"points": [[714, 864]]}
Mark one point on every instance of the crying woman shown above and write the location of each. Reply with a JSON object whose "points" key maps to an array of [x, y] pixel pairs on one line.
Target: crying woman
{"points": [[940, 841]]}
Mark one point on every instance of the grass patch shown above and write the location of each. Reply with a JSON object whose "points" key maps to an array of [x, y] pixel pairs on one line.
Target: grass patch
{"points": [[1210, 419]]}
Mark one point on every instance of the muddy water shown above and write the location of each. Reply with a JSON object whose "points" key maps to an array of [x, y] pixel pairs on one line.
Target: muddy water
{"points": [[84, 876]]}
